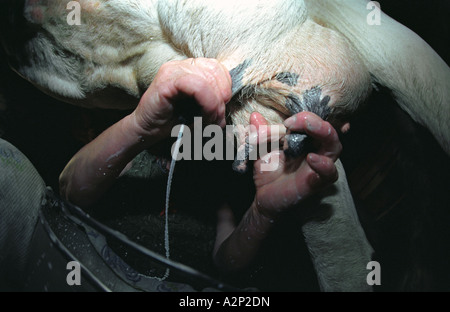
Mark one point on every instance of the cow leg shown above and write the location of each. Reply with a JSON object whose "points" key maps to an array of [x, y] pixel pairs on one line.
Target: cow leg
{"points": [[338, 245]]}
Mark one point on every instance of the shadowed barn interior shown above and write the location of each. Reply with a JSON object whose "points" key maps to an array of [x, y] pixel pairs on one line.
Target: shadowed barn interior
{"points": [[398, 174]]}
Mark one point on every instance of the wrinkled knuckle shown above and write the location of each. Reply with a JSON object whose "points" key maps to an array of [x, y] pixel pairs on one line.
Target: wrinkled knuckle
{"points": [[209, 77], [166, 69], [163, 92], [202, 82], [206, 63], [213, 62]]}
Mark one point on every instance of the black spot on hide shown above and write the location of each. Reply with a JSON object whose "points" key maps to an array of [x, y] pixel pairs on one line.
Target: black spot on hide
{"points": [[237, 75], [290, 79], [294, 104], [311, 103], [299, 143]]}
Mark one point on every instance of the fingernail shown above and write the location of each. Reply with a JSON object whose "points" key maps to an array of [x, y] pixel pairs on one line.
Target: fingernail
{"points": [[314, 158], [290, 122], [312, 123]]}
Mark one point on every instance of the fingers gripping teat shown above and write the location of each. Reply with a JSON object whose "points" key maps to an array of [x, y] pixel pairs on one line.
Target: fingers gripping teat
{"points": [[299, 143], [253, 94]]}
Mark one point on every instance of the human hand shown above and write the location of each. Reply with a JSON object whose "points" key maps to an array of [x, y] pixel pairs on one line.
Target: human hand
{"points": [[203, 81], [296, 179]]}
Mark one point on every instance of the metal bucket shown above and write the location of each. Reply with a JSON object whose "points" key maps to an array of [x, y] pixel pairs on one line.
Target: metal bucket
{"points": [[67, 242]]}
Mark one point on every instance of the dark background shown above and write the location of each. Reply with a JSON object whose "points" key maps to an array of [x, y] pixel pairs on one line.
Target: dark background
{"points": [[398, 174]]}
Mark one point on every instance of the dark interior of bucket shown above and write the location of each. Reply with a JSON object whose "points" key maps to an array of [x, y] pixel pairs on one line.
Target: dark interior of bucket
{"points": [[397, 172]]}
